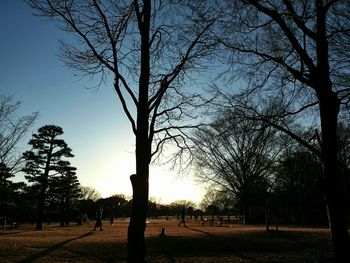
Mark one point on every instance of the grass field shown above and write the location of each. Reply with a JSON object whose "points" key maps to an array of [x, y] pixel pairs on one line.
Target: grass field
{"points": [[193, 243]]}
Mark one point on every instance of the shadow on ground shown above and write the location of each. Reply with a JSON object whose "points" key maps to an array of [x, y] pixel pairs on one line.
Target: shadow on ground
{"points": [[190, 244], [51, 249], [262, 246]]}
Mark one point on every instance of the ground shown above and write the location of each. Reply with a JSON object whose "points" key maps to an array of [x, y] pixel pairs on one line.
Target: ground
{"points": [[193, 243]]}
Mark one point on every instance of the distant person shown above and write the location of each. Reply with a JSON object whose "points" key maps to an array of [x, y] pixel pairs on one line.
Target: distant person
{"points": [[99, 213], [182, 217], [84, 219], [111, 219], [79, 219]]}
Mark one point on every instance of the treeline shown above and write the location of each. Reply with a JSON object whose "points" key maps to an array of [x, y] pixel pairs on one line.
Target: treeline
{"points": [[255, 173], [259, 174], [296, 196], [119, 206], [51, 191]]}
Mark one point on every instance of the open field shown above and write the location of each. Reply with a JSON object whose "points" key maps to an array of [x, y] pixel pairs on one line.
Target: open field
{"points": [[194, 243]]}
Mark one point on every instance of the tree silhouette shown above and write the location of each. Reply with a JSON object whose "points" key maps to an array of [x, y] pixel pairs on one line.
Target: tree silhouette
{"points": [[296, 52], [12, 131], [5, 185], [218, 201], [9, 191], [147, 47], [45, 161], [237, 155], [298, 188], [89, 193]]}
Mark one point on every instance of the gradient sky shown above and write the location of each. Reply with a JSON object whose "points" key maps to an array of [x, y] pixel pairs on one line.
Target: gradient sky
{"points": [[93, 122]]}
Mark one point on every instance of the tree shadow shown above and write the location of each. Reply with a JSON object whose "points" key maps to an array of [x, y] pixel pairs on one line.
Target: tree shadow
{"points": [[256, 247], [53, 248], [201, 231], [14, 232]]}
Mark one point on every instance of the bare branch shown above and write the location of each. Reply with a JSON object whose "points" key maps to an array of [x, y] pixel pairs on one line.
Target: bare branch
{"points": [[277, 17]]}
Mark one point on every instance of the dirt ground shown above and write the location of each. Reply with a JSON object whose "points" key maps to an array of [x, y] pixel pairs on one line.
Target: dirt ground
{"points": [[193, 243]]}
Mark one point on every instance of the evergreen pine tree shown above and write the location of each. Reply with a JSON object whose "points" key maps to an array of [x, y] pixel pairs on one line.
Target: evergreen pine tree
{"points": [[43, 163]]}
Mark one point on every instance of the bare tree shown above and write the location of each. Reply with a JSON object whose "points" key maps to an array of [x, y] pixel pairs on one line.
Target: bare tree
{"points": [[218, 199], [12, 130], [237, 155], [147, 47], [89, 193], [297, 52]]}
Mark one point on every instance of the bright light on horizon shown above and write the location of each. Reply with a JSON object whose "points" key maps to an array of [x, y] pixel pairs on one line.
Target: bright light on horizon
{"points": [[165, 185], [94, 124]]}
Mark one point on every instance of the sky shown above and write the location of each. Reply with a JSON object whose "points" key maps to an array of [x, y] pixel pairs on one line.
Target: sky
{"points": [[94, 124]]}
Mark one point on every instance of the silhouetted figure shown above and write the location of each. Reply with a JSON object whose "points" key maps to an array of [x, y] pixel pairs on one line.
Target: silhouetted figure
{"points": [[162, 232], [99, 213], [211, 221], [79, 219], [111, 219], [182, 217], [221, 220], [84, 219]]}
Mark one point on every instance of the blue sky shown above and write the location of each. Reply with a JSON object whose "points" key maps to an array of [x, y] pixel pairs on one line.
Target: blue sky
{"points": [[95, 126]]}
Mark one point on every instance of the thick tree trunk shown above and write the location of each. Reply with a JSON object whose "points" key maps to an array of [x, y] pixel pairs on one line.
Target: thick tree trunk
{"points": [[333, 183], [62, 212], [329, 109], [42, 195], [40, 206], [267, 215], [137, 226], [140, 183], [40, 213], [67, 212], [245, 210]]}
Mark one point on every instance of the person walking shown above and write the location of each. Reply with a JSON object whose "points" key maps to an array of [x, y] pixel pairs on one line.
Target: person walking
{"points": [[99, 213], [182, 217], [111, 219]]}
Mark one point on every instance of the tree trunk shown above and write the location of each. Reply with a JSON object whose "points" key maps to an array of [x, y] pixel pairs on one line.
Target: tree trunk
{"points": [[329, 105], [139, 181], [67, 211], [333, 183], [39, 215], [245, 211], [245, 208], [40, 206], [137, 226], [42, 195], [140, 184], [62, 212], [267, 215]]}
